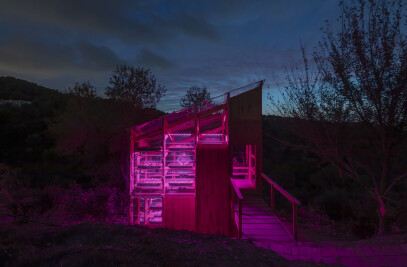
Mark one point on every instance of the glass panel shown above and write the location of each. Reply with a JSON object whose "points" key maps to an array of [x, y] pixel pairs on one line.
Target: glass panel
{"points": [[211, 127], [150, 210], [240, 162], [149, 143], [180, 115], [148, 126], [148, 172], [180, 162], [244, 163], [244, 89], [216, 101], [183, 134]]}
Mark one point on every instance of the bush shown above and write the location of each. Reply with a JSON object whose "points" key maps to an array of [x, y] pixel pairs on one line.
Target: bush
{"points": [[335, 204], [364, 227], [100, 204]]}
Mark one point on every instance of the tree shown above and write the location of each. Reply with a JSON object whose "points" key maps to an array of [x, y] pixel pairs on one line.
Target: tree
{"points": [[85, 89], [137, 86], [95, 134], [196, 95], [350, 108]]}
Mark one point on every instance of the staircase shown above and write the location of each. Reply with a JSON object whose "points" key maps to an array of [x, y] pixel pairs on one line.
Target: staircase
{"points": [[259, 223], [254, 218]]}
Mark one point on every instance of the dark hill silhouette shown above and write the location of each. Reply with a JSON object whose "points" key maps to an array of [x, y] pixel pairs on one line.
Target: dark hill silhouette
{"points": [[57, 137], [17, 89]]}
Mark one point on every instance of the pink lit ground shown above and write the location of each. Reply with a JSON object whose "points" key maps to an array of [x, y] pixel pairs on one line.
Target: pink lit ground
{"points": [[266, 230], [353, 255]]}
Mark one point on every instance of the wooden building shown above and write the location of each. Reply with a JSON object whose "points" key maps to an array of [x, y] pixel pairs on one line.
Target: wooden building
{"points": [[183, 164]]}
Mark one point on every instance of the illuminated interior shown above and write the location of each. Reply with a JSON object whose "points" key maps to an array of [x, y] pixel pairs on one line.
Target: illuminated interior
{"points": [[164, 155], [244, 165]]}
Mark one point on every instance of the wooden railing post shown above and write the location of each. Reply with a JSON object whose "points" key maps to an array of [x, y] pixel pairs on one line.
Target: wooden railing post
{"points": [[232, 203], [239, 203], [293, 200], [295, 218], [240, 218], [131, 210]]}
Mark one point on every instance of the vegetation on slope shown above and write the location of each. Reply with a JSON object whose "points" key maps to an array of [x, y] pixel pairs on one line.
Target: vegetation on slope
{"points": [[119, 245]]}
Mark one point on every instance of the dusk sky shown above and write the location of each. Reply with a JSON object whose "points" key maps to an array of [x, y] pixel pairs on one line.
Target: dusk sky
{"points": [[218, 44]]}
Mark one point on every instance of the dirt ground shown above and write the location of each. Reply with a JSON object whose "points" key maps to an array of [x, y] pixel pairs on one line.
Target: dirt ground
{"points": [[88, 244]]}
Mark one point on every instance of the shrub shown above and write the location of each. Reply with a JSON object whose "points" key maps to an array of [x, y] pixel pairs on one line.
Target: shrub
{"points": [[100, 204], [335, 204]]}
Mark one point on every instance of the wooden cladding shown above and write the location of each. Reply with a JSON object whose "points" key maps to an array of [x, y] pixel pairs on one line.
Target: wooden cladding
{"points": [[245, 124], [179, 213], [213, 189]]}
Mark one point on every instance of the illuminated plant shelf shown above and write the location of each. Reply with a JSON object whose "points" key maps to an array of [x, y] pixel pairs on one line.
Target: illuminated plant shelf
{"points": [[150, 211], [181, 164]]}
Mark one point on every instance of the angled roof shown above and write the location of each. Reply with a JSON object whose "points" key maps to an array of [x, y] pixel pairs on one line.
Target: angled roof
{"points": [[181, 119]]}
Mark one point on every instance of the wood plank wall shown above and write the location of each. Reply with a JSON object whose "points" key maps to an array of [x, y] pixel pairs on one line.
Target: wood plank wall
{"points": [[179, 213], [213, 189], [245, 124]]}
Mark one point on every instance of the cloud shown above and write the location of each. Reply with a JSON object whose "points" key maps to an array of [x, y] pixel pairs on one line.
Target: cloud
{"points": [[152, 60], [129, 21], [218, 44], [37, 56], [195, 26]]}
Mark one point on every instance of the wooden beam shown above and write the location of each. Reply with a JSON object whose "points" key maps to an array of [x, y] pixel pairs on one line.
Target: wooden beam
{"points": [[236, 188], [175, 124], [212, 131]]}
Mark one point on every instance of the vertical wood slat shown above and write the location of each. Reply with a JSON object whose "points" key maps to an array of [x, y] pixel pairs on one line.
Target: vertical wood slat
{"points": [[196, 121], [164, 123], [235, 191], [212, 189], [131, 210], [240, 218], [137, 209], [131, 179], [245, 120], [179, 213], [226, 124], [232, 205]]}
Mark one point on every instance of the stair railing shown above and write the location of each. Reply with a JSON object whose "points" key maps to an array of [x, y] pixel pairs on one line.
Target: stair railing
{"points": [[238, 218], [295, 203]]}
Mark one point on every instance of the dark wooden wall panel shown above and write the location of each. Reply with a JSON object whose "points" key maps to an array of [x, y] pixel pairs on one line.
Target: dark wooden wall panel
{"points": [[179, 213], [245, 124], [213, 189]]}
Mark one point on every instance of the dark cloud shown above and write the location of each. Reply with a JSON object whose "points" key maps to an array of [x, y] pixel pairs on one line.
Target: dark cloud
{"points": [[214, 43], [96, 57], [195, 26], [152, 60], [126, 20], [27, 55]]}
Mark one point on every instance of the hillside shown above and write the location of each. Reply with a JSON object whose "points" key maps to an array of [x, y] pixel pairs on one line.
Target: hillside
{"points": [[13, 88], [119, 245], [23, 126]]}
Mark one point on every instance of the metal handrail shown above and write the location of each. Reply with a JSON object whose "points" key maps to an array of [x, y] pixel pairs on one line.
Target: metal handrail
{"points": [[295, 202]]}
